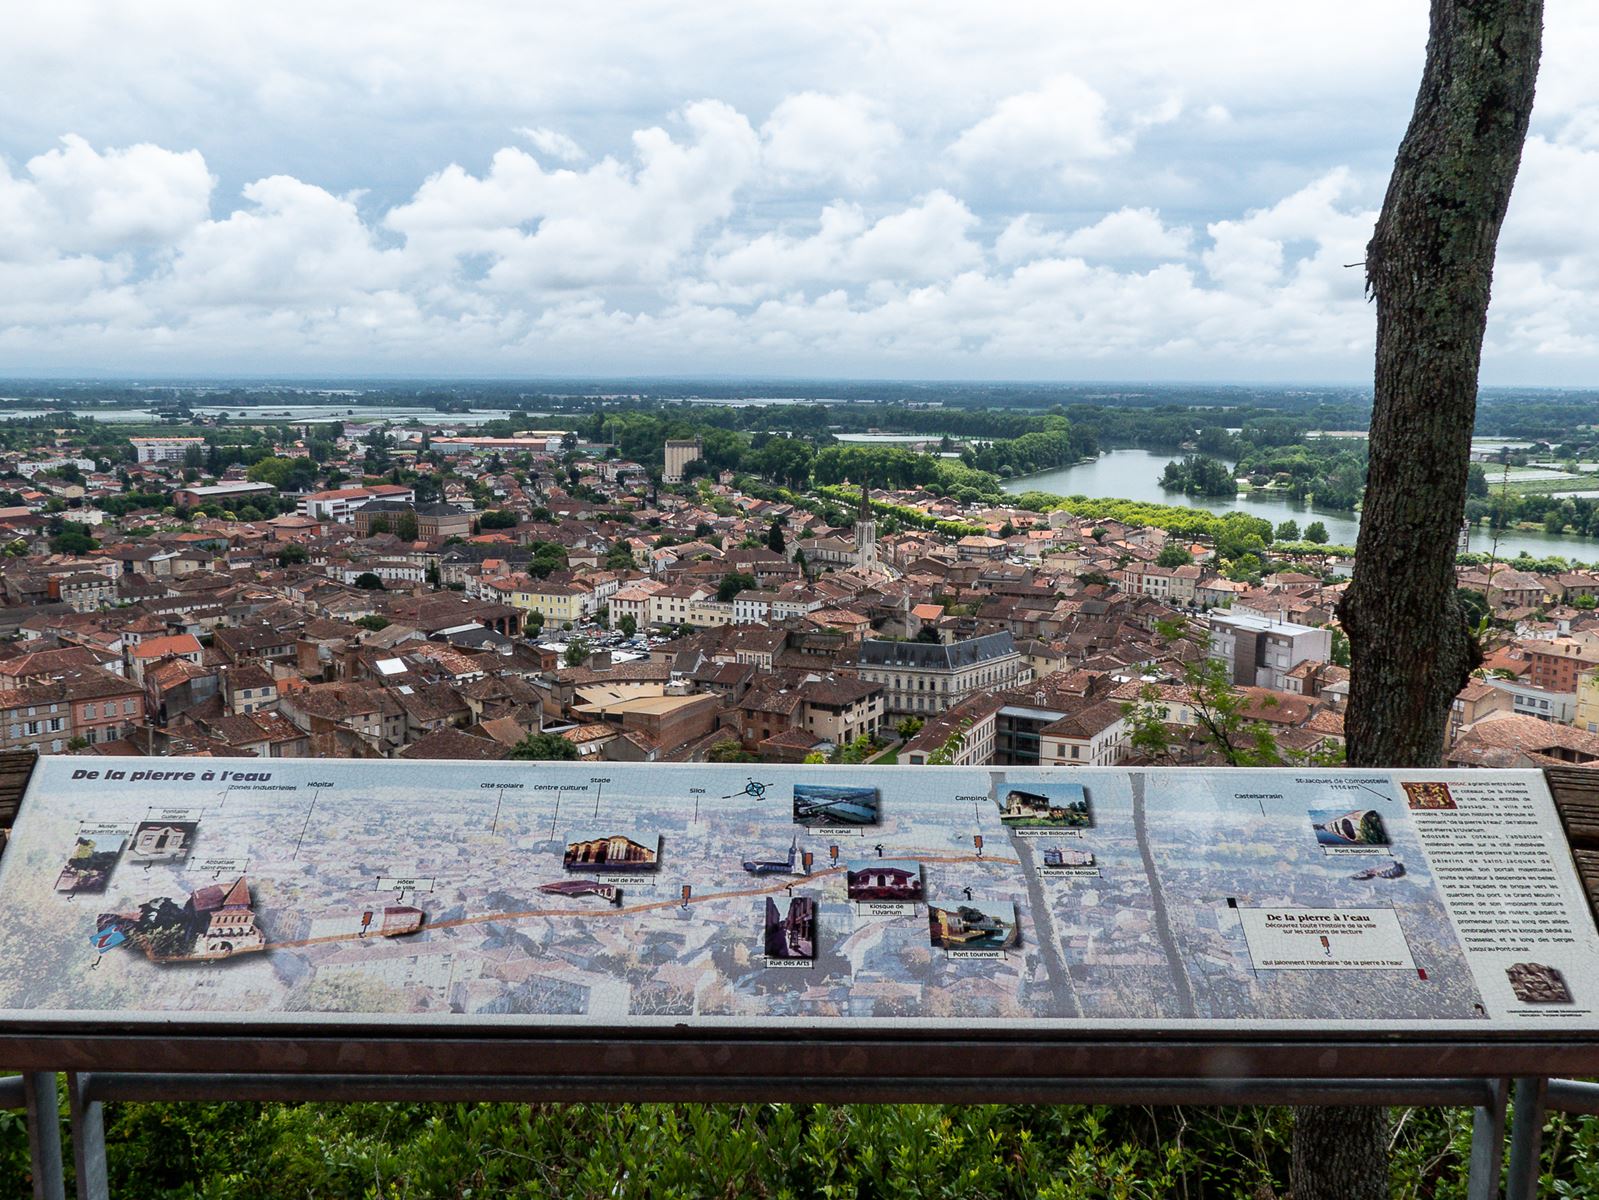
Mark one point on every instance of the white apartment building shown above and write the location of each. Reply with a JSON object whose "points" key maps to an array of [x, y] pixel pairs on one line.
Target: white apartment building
{"points": [[1260, 652], [164, 449], [340, 504]]}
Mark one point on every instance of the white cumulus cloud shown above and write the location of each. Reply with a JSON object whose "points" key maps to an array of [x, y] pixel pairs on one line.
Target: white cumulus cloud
{"points": [[1061, 125], [816, 137]]}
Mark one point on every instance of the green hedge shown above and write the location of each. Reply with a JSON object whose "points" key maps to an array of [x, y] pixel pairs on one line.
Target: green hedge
{"points": [[777, 1151]]}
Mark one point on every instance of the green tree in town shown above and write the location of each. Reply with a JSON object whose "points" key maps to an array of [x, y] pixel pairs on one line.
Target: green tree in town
{"points": [[628, 624], [729, 751], [543, 746], [774, 538], [1173, 555], [72, 538], [369, 582], [854, 753], [732, 584], [1288, 531], [1340, 648], [1149, 734], [577, 652], [1316, 533], [949, 750]]}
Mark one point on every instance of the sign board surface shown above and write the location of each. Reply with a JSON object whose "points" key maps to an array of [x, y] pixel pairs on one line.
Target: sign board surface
{"points": [[542, 895]]}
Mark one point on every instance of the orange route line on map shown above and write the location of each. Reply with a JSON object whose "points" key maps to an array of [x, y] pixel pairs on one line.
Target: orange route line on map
{"points": [[485, 918]]}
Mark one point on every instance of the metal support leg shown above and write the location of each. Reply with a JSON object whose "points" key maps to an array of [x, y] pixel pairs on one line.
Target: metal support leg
{"points": [[1526, 1138], [88, 1140], [1488, 1144], [44, 1137]]}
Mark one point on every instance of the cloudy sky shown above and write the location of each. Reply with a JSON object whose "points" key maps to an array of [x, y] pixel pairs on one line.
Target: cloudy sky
{"points": [[880, 188]]}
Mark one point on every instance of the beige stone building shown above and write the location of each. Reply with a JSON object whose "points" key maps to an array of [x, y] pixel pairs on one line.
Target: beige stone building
{"points": [[928, 677]]}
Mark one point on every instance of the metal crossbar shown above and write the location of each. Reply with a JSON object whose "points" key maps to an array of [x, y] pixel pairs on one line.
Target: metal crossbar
{"points": [[13, 1092]]}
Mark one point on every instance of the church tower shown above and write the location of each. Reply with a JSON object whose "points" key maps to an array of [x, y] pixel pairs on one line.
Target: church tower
{"points": [[865, 534]]}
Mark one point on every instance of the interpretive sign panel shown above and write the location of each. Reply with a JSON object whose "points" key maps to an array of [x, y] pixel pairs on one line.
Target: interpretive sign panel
{"points": [[549, 894]]}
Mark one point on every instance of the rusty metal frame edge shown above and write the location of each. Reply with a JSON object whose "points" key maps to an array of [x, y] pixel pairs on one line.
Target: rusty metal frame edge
{"points": [[771, 1060]]}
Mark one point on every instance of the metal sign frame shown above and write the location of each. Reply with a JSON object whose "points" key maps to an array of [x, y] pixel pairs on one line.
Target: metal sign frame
{"points": [[305, 1060]]}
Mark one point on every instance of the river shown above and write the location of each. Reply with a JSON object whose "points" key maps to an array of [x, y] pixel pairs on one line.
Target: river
{"points": [[1135, 475]]}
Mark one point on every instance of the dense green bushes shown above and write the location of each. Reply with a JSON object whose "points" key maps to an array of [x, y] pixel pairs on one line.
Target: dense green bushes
{"points": [[674, 1152], [1232, 533], [913, 518]]}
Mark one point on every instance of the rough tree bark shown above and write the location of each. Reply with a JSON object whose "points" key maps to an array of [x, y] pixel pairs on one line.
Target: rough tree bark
{"points": [[1429, 266]]}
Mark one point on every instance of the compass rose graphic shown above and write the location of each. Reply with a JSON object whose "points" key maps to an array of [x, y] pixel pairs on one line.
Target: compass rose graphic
{"points": [[754, 789]]}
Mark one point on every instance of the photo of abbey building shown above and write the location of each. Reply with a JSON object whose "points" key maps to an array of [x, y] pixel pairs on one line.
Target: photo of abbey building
{"points": [[214, 922], [612, 852]]}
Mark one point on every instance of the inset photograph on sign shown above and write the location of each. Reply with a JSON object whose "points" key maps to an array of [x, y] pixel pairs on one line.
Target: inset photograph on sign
{"points": [[212, 922], [883, 879], [1356, 827], [1391, 870], [822, 804], [973, 925], [790, 932], [1535, 983], [1429, 796], [600, 890], [1067, 856], [162, 841], [88, 867], [793, 863], [609, 850], [1046, 806]]}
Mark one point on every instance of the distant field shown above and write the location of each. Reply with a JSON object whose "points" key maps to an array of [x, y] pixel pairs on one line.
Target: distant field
{"points": [[1542, 483]]}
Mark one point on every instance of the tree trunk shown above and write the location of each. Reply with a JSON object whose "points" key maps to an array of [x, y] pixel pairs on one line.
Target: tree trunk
{"points": [[1429, 266], [1340, 1154]]}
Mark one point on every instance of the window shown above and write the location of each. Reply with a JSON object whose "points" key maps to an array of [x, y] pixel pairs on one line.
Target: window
{"points": [[127, 708], [88, 712]]}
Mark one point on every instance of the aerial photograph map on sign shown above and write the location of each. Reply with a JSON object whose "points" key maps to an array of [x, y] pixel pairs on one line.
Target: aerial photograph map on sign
{"points": [[291, 890]]}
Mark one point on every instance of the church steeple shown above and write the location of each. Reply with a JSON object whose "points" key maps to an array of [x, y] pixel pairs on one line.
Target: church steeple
{"points": [[865, 532]]}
